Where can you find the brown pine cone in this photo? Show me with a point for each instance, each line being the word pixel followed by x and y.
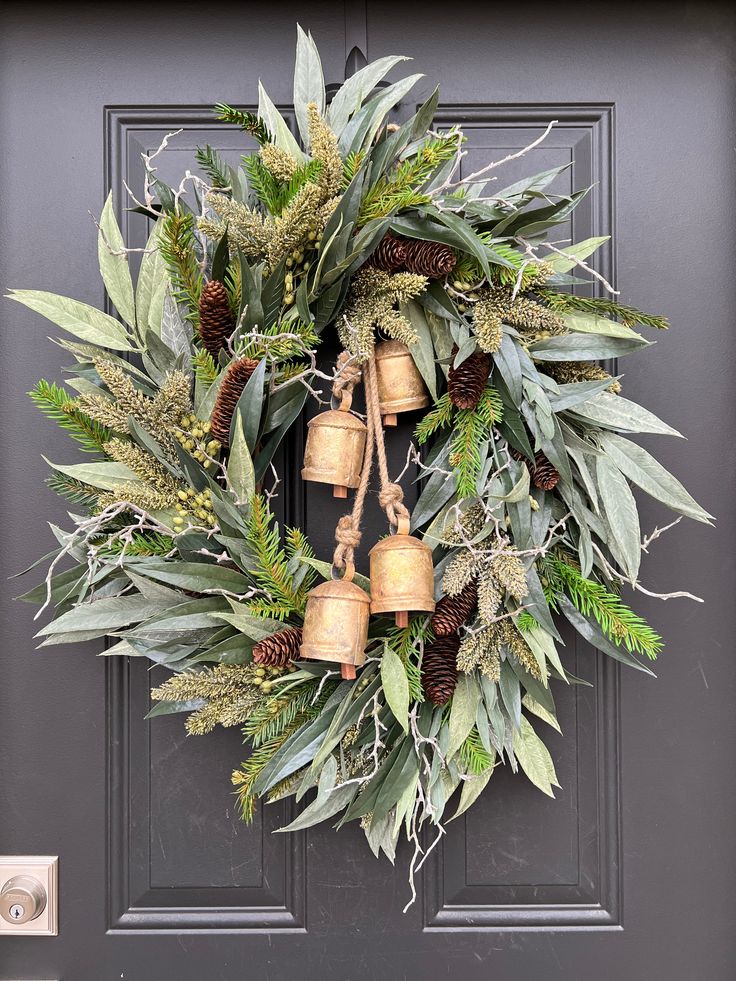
pixel 279 649
pixel 466 383
pixel 543 474
pixel 439 669
pixel 431 259
pixel 452 611
pixel 390 253
pixel 216 319
pixel 237 374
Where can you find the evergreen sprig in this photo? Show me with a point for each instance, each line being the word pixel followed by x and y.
pixel 351 166
pixel 140 544
pixel 73 490
pixel 213 165
pixel 603 306
pixel 276 195
pixel 282 341
pixel 618 621
pixel 401 188
pixel 474 757
pixel 205 368
pixel 438 417
pixel 269 719
pixel 405 642
pixel 178 248
pixel 276 566
pixel 247 121
pixel 57 404
pixel 471 429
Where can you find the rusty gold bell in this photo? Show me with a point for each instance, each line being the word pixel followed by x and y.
pixel 334 450
pixel 401 388
pixel 402 575
pixel 336 624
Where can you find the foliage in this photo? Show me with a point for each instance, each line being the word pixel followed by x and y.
pixel 275 570
pixel 56 403
pixel 178 249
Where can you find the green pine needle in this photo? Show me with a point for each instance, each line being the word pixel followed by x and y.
pixel 277 569
pixel 351 166
pixel 213 165
pixel 405 642
pixel 141 544
pixel 604 307
pixel 439 417
pixel 57 404
pixel 178 248
pixel 247 121
pixel 73 490
pixel 205 369
pixel 471 429
pixel 276 195
pixel 474 757
pixel 618 621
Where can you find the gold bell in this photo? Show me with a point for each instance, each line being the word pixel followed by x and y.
pixel 334 450
pixel 402 575
pixel 401 388
pixel 336 624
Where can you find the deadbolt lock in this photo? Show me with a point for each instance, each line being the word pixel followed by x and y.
pixel 22 898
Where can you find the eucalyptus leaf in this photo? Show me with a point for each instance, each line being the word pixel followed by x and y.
pixel 534 758
pixel 276 125
pixel 621 513
pixel 77 318
pixel 309 82
pixel 395 686
pixel 240 473
pixel 114 266
pixel 615 412
pixel 463 709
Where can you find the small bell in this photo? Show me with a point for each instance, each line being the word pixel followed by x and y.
pixel 334 450
pixel 336 624
pixel 401 388
pixel 402 575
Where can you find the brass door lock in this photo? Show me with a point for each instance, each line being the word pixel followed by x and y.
pixel 22 898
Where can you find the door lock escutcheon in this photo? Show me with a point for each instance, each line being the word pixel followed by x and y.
pixel 29 895
pixel 22 898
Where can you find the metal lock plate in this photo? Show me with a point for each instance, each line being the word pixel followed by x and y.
pixel 28 895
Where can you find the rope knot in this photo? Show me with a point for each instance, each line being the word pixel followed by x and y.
pixel 346 533
pixel 347 376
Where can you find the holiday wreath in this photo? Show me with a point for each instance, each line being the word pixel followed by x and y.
pixel 385 693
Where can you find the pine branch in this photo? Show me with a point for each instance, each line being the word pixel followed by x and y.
pixel 213 165
pixel 490 407
pixel 603 306
pixel 247 121
pixel 620 623
pixel 178 250
pixel 404 641
pixel 273 571
pixel 205 369
pixel 351 166
pixel 73 490
pixel 466 459
pixel 273 715
pixel 474 757
pixel 439 417
pixel 56 403
pixel 141 544
pixel 281 342
pixel 276 195
pixel 401 188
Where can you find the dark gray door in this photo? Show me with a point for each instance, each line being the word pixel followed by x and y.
pixel 629 874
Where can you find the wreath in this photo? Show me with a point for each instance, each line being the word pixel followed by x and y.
pixel 380 695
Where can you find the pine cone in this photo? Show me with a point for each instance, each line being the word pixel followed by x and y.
pixel 390 254
pixel 466 383
pixel 216 319
pixel 431 259
pixel 279 649
pixel 236 375
pixel 439 669
pixel 452 611
pixel 543 474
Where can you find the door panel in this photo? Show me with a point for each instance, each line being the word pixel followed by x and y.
pixel 627 874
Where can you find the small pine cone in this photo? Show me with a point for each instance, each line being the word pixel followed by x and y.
pixel 439 669
pixel 431 259
pixel 543 474
pixel 466 383
pixel 390 255
pixel 279 649
pixel 216 319
pixel 452 611
pixel 236 376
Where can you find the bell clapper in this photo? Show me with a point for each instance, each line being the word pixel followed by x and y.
pixel 339 490
pixel 390 420
pixel 347 671
pixel 402 618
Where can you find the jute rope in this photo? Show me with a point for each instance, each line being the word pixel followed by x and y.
pixel 390 497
